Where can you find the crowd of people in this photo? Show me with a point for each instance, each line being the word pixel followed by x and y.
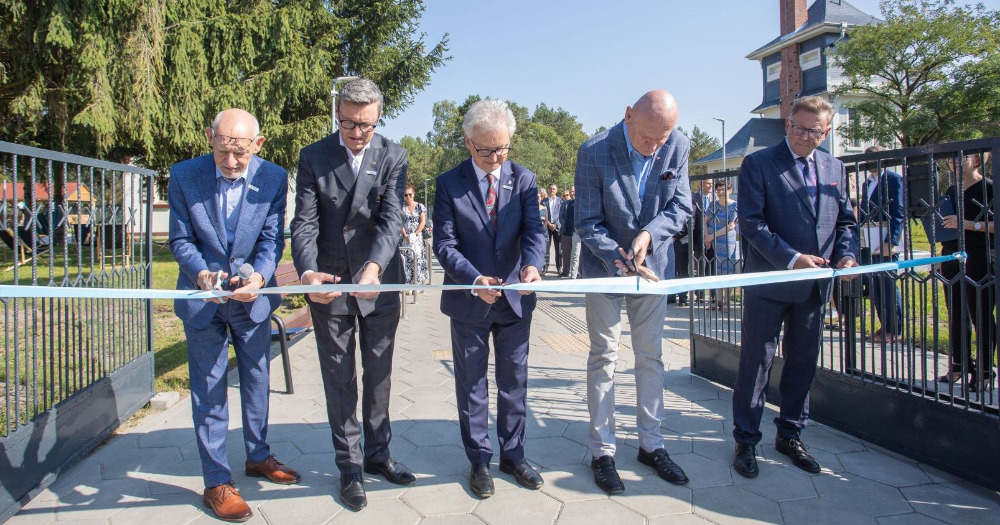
pixel 627 211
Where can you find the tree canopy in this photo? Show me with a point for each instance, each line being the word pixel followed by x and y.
pixel 138 80
pixel 930 73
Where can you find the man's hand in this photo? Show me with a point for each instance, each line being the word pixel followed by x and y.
pixel 628 267
pixel 950 222
pixel 640 246
pixel 552 226
pixel 369 276
pixel 488 295
pixel 529 274
pixel 847 262
pixel 313 278
pixel 244 290
pixel 207 280
pixel 809 261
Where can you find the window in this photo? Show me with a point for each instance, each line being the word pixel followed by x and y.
pixel 809 59
pixel 851 118
pixel 773 71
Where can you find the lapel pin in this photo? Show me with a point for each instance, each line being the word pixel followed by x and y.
pixel 370 172
pixel 253 188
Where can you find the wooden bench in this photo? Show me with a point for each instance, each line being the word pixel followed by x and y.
pixel 298 323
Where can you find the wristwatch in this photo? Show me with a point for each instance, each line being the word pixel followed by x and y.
pixel 977 225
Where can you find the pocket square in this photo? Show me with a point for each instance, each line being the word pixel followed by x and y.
pixel 668 175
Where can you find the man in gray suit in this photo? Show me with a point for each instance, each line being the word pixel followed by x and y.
pixel 346 229
pixel 632 197
pixel 794 214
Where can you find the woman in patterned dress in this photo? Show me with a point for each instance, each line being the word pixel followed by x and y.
pixel 413 229
pixel 721 234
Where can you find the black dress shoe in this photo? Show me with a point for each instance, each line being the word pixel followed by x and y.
pixel 663 465
pixel 745 462
pixel 794 449
pixel 352 492
pixel 606 475
pixel 481 482
pixel 523 472
pixel 393 471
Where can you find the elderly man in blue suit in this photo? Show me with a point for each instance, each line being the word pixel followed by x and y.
pixel 487 231
pixel 227 209
pixel 881 210
pixel 794 214
pixel 632 197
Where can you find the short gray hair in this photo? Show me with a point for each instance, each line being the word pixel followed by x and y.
pixel 218 117
pixel 489 115
pixel 813 104
pixel 362 92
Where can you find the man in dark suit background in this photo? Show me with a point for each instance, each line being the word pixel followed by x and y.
pixel 881 211
pixel 487 231
pixel 227 209
pixel 348 216
pixel 703 263
pixel 553 209
pixel 632 197
pixel 794 214
pixel 566 233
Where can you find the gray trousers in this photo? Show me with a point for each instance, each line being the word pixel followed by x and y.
pixel 646 314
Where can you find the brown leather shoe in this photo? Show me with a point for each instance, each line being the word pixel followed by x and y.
pixel 273 470
pixel 227 504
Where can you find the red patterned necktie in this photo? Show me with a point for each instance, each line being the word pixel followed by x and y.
pixel 491 198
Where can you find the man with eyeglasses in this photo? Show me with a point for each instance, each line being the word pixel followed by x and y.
pixel 348 215
pixel 487 231
pixel 794 214
pixel 227 209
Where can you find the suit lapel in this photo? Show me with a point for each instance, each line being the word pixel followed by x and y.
pixel 504 191
pixel 341 163
pixel 789 169
pixel 623 168
pixel 366 177
pixel 653 181
pixel 475 194
pixel 255 178
pixel 209 190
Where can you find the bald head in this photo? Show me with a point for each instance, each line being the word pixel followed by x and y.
pixel 235 138
pixel 650 121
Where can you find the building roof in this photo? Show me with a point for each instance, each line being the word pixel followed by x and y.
pixel 10 191
pixel 822 14
pixel 756 134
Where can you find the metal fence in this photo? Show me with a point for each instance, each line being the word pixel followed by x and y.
pixel 69 221
pixel 948 324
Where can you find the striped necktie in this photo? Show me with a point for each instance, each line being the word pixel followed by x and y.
pixel 809 178
pixel 491 198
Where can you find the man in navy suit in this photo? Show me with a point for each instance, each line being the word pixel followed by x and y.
pixel 794 214
pixel 487 231
pixel 553 210
pixel 227 208
pixel 632 197
pixel 348 215
pixel 881 210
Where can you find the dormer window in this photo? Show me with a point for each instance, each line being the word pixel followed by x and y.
pixel 809 59
pixel 774 72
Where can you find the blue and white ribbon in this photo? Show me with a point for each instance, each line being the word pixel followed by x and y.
pixel 607 285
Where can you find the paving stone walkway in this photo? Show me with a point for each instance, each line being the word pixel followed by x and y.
pixel 150 473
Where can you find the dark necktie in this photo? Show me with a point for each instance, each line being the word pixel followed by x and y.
pixel 809 178
pixel 491 198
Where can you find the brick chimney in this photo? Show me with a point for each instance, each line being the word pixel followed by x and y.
pixel 793 14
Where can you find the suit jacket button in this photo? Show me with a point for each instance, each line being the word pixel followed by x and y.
pixel 334 198
pixel 232 259
pixel 341 261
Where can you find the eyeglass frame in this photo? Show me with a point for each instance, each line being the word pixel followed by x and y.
pixel 813 133
pixel 490 151
pixel 232 141
pixel 342 122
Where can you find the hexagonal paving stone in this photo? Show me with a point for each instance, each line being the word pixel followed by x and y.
pixel 693 425
pixel 445 460
pixel 703 472
pixel 518 506
pixel 777 482
pixel 953 503
pixel 697 390
pixel 572 483
pixel 907 519
pixel 816 511
pixel 679 519
pixel 440 496
pixel 598 511
pixel 882 468
pixel 129 462
pixel 430 411
pixel 869 497
pixel 552 452
pixel 431 433
pixel 389 510
pixel 316 469
pixel 540 427
pixel 102 499
pixel 454 519
pixel 825 438
pixel 735 505
pixel 313 440
pixel 166 510
pixel 647 494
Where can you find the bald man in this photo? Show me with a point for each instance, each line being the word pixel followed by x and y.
pixel 227 208
pixel 632 197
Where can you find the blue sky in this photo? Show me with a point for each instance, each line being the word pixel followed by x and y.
pixel 594 58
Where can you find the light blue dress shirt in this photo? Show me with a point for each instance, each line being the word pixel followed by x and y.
pixel 230 200
pixel 641 164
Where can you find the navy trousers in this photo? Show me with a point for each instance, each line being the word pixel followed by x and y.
pixel 470 348
pixel 208 357
pixel 762 322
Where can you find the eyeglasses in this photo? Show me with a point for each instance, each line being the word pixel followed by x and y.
pixel 227 144
pixel 350 124
pixel 798 131
pixel 407 194
pixel 486 152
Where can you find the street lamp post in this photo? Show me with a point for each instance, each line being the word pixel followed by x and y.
pixel 723 121
pixel 333 101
